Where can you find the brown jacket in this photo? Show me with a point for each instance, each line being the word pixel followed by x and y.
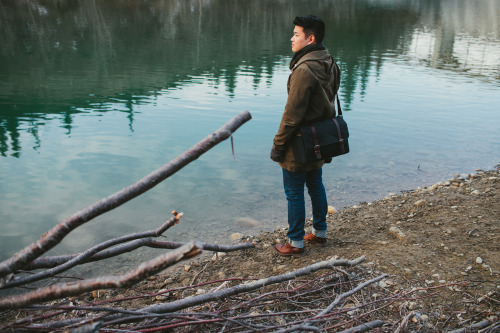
pixel 311 87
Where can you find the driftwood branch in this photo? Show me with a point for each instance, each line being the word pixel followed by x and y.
pixel 84 257
pixel 49 262
pixel 144 270
pixel 58 232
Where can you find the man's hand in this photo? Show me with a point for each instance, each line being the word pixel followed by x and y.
pixel 277 155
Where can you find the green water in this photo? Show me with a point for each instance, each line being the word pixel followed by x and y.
pixel 94 95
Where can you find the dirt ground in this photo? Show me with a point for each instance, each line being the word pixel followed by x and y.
pixel 446 233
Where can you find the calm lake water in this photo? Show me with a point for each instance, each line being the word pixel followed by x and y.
pixel 94 95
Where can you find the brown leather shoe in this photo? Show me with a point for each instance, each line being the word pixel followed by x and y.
pixel 312 239
pixel 289 250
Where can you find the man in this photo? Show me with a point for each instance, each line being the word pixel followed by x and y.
pixel 311 87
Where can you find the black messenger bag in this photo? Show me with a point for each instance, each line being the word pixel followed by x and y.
pixel 322 139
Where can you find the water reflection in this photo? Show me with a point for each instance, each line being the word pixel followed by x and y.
pixel 67 57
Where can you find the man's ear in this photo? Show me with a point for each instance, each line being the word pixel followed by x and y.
pixel 312 39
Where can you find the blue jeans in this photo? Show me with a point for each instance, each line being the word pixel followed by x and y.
pixel 293 183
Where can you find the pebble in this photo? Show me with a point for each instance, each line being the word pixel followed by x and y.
pixel 236 236
pixel 382 284
pixel 332 210
pixel 247 222
pixel 162 297
pixel 187 268
pixel 218 255
pixel 475 192
pixel 398 233
pixel 420 203
pixel 479 260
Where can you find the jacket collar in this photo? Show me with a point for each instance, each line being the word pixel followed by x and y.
pixel 304 51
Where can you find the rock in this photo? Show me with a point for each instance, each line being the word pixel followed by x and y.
pixel 382 284
pixel 236 236
pixel 397 233
pixel 479 260
pixel 200 291
pixel 162 297
pixel 168 281
pixel 420 203
pixel 187 268
pixel 218 255
pixel 475 192
pixel 424 318
pixel 247 222
pixel 332 210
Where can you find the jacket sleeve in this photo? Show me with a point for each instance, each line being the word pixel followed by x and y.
pixel 300 85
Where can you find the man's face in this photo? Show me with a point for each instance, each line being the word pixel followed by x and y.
pixel 299 39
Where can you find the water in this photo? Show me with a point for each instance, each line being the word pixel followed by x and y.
pixel 94 96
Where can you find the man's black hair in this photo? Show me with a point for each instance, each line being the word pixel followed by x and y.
pixel 312 25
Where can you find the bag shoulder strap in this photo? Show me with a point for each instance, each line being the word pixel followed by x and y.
pixel 338 106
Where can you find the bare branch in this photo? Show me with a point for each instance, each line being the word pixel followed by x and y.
pixel 476 326
pixel 364 327
pixel 83 257
pixel 58 232
pixel 144 270
pixel 48 262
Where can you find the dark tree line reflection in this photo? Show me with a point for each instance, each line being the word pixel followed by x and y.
pixel 58 58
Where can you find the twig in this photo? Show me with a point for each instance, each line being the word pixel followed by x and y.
pixel 83 257
pixel 58 232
